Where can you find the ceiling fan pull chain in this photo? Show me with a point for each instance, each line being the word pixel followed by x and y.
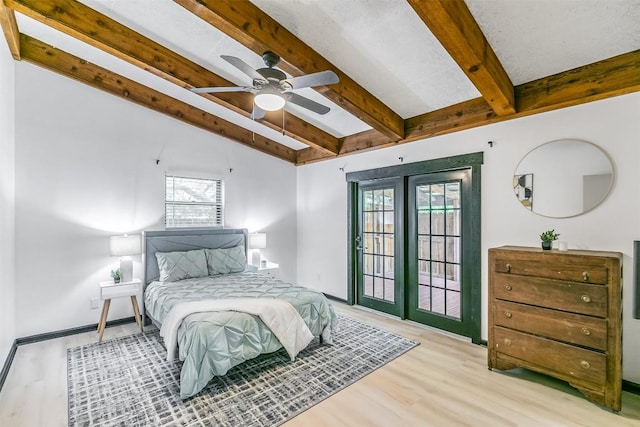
pixel 253 134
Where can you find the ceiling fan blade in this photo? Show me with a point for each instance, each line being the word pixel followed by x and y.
pixel 243 66
pixel 258 113
pixel 322 78
pixel 221 89
pixel 307 103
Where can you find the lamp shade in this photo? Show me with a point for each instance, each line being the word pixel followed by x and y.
pixel 125 245
pixel 257 240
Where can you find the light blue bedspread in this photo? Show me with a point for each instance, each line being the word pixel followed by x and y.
pixel 212 343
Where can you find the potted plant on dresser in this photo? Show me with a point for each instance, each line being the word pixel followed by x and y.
pixel 547 238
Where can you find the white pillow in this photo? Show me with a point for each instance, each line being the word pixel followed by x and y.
pixel 225 261
pixel 175 266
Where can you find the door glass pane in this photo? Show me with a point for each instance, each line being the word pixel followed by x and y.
pixel 388 222
pixel 437 300
pixel 437 197
pixel 388 267
pixel 367 224
pixel 367 200
pixel 424 298
pixel 368 243
pixel 423 222
pixel 388 199
pixel 378 287
pixel 437 274
pixel 377 265
pixel 375 247
pixel 368 285
pixel 378 200
pixel 378 221
pixel 437 222
pixel 452 193
pixel 453 277
pixel 389 243
pixel 437 248
pixel 389 290
pixel 367 266
pixel 453 222
pixel 453 304
pixel 424 251
pixel 424 277
pixel 453 249
pixel 423 197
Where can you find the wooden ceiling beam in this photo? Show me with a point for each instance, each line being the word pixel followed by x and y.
pixel 246 23
pixel 10 30
pixel 611 77
pixel 454 118
pixel 453 25
pixel 46 56
pixel 309 155
pixel 367 140
pixel 104 33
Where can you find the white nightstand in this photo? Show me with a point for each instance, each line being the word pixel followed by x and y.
pixel 270 268
pixel 109 290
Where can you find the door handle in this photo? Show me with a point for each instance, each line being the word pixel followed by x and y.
pixel 358 241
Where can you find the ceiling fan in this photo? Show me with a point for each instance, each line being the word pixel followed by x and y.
pixel 272 87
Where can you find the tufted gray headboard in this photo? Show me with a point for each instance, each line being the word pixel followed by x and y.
pixel 184 240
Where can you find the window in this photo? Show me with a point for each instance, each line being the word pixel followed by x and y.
pixel 193 202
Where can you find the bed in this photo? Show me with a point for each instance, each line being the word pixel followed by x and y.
pixel 209 343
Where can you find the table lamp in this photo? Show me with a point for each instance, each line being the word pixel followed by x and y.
pixel 257 241
pixel 124 247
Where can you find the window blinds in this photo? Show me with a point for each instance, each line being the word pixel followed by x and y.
pixel 193 202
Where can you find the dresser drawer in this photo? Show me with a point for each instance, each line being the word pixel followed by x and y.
pixel 571 328
pixel 567 296
pixel 561 269
pixel 568 361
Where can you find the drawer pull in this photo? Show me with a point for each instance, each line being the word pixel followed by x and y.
pixel 585 276
pixel 586 331
pixel 586 298
pixel 508 268
pixel 585 365
pixel 507 341
pixel 508 314
pixel 508 287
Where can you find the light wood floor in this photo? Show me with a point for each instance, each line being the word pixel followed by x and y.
pixel 442 382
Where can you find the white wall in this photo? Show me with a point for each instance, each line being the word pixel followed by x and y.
pixel 86 169
pixel 7 202
pixel 612 124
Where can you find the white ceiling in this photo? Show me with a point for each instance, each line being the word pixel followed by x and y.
pixel 381 44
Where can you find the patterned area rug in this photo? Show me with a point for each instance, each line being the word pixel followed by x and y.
pixel 128 382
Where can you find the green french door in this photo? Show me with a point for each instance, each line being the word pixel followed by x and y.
pixel 378 245
pixel 415 242
pixel 439 288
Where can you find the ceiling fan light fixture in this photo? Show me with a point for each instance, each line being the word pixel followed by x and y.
pixel 269 101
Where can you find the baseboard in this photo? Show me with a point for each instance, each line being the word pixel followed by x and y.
pixel 7 363
pixel 49 336
pixel 631 387
pixel 66 332
pixel 329 296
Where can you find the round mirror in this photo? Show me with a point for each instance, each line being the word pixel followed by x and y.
pixel 563 178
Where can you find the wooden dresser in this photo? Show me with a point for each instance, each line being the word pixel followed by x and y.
pixel 558 313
